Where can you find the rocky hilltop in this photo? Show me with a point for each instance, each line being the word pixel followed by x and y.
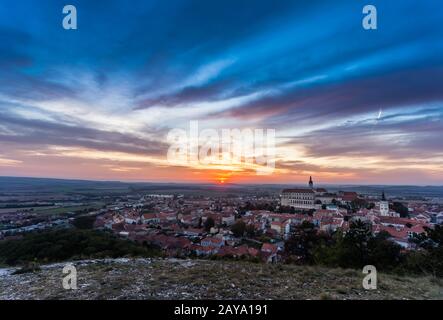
pixel 205 279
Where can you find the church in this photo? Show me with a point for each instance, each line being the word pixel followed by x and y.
pixel 383 208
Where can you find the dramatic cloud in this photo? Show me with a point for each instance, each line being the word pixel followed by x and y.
pixel 348 105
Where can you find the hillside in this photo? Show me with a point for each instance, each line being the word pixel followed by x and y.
pixel 201 279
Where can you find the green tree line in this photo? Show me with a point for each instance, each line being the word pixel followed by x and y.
pixel 60 245
pixel 359 247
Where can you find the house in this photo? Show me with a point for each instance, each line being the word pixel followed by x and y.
pixel 241 251
pixel 228 219
pixel 269 247
pixel 237 252
pixel 132 218
pixel 415 230
pixel 193 232
pixel 423 218
pixel 320 214
pixel 116 219
pixel 330 224
pixel 167 217
pixel 189 220
pixel 347 197
pixel 326 198
pixel 396 221
pixel 150 218
pixel 173 246
pixel 277 226
pixel 204 251
pixel 226 251
pixel 399 235
pixel 212 242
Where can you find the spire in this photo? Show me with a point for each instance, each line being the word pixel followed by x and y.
pixel 311 183
pixel 383 198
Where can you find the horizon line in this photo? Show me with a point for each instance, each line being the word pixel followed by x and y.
pixel 219 184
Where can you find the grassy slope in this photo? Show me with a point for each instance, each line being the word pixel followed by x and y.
pixel 197 279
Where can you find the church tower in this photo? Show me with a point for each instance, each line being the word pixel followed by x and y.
pixel 384 205
pixel 311 184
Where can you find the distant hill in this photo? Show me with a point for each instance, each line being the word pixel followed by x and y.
pixel 43 184
pixel 46 185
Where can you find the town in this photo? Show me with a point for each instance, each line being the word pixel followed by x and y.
pixel 250 227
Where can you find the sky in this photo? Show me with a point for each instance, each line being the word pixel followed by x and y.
pixel 348 105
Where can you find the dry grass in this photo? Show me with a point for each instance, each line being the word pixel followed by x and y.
pixel 197 279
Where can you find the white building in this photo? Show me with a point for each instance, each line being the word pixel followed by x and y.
pixel 384 206
pixel 298 198
pixel 301 198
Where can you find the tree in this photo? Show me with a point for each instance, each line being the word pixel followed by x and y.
pixel 383 253
pixel 60 245
pixel 304 240
pixel 209 223
pixel 435 234
pixel 370 205
pixel 430 258
pixel 238 228
pixel 431 238
pixel 85 222
pixel 355 245
pixel 359 247
pixel 250 230
pixel 400 208
pixel 357 204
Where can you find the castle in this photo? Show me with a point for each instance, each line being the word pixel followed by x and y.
pixel 301 198
pixel 313 198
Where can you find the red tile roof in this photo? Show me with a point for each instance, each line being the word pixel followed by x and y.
pixel 149 216
pixel 269 247
pixel 349 196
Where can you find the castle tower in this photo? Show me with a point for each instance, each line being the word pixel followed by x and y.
pixel 311 183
